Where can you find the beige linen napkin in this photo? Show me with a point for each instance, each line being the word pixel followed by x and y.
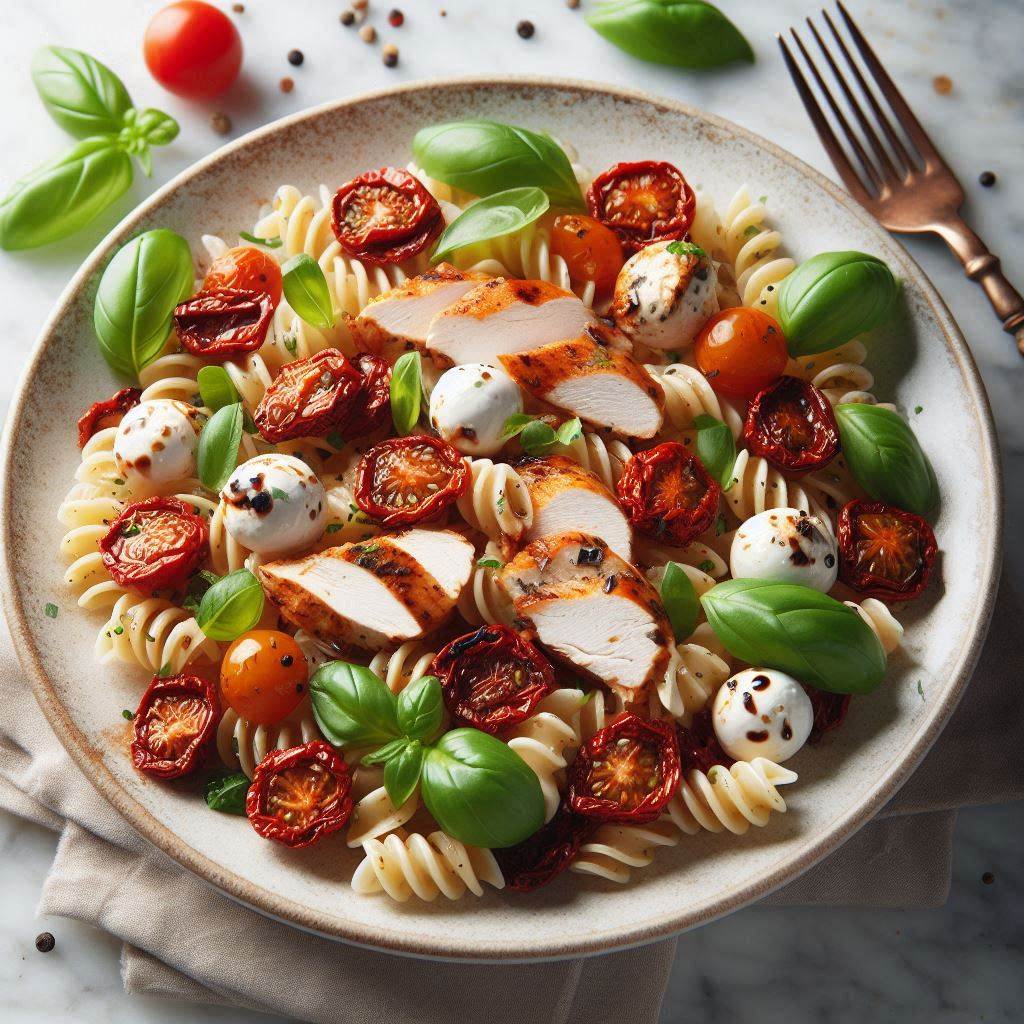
pixel 198 945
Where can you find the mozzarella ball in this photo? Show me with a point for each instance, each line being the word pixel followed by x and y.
pixel 155 445
pixel 469 406
pixel 663 299
pixel 274 505
pixel 762 712
pixel 786 545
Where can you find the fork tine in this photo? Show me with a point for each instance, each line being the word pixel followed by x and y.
pixel 904 115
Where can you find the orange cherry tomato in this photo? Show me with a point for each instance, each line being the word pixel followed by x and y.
pixel 741 351
pixel 263 676
pixel 591 251
pixel 245 269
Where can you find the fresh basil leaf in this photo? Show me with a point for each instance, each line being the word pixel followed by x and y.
pixel 716 448
pixel 385 753
pixel 217 453
pixel 305 288
pixel 231 607
pixel 813 637
pixel 832 298
pixel 685 249
pixel 270 243
pixel 421 708
pixel 215 387
pixel 65 194
pixel 226 793
pixel 680 601
pixel 406 392
pixel 82 95
pixel 483 157
pixel 886 458
pixel 537 438
pixel 569 431
pixel 489 563
pixel 402 772
pixel 151 127
pixel 683 33
pixel 480 791
pixel 515 424
pixel 138 291
pixel 496 215
pixel 352 706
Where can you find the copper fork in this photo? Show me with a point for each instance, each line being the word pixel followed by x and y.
pixel 904 181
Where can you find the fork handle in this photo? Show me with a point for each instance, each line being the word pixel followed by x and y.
pixel 982 266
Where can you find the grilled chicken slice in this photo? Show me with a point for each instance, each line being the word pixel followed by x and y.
pixel 592 376
pixel 503 316
pixel 375 593
pixel 398 320
pixel 567 497
pixel 591 609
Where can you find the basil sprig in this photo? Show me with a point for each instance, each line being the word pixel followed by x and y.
pixel 833 297
pixel 138 291
pixel 215 387
pixel 813 637
pixel 886 458
pixel 679 599
pixel 217 452
pixel 716 448
pixel 539 438
pixel 226 793
pixel 305 288
pixel 406 392
pixel 494 216
pixel 231 607
pixel 483 157
pixel 683 33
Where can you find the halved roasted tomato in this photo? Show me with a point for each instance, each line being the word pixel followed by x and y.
pixel 884 552
pixel 547 853
pixel 174 724
pixel 740 351
pixel 372 410
pixel 829 711
pixel 107 413
pixel 300 795
pixel 406 480
pixel 592 252
pixel 698 745
pixel 627 772
pixel 643 202
pixel 492 678
pixel 263 676
pixel 247 269
pixel 668 494
pixel 309 398
pixel 154 543
pixel 223 324
pixel 791 424
pixel 385 216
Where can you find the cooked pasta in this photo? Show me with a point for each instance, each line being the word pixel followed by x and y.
pixel 688 395
pixel 883 623
pixel 694 674
pixel 482 600
pixel 753 247
pixel 651 554
pixel 497 502
pixel 839 373
pixel 242 744
pixel 375 815
pixel 757 486
pixel 88 515
pixel 615 849
pixel 605 458
pixel 402 666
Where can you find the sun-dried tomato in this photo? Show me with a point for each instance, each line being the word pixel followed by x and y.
pixel 668 494
pixel 107 413
pixel 223 324
pixel 372 410
pixel 154 543
pixel 385 216
pixel 174 724
pixel 884 552
pixel 698 745
pixel 627 772
pixel 300 795
pixel 829 711
pixel 791 424
pixel 309 398
pixel 406 480
pixel 643 202
pixel 492 678
pixel 547 853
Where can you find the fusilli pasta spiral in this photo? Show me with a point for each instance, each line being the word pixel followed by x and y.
pixel 87 513
pixel 753 249
pixel 242 744
pixel 883 623
pixel 482 600
pixel 605 459
pixel 614 849
pixel 497 503
pixel 403 666
pixel 693 676
pixel 839 373
pixel 688 395
pixel 757 486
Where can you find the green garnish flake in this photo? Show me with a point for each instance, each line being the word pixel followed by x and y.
pixel 752 229
pixel 489 563
pixel 685 249
pixel 165 670
pixel 918 409
pixel 278 495
pixel 131 531
pixel 119 481
pixel 720 525
pixel 920 689
pixel 500 504
pixel 291 343
pixel 762 200
pixel 129 715
pixel 706 566
pixel 270 243
pixel 51 610
pixel 333 527
pixel 119 630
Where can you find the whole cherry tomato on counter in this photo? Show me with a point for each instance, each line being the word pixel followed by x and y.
pixel 263 676
pixel 741 351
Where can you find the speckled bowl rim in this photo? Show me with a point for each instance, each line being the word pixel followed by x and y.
pixel 674 920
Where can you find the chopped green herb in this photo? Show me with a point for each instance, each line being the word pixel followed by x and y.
pixel 278 495
pixel 706 566
pixel 165 670
pixel 762 200
pixel 51 610
pixel 918 409
pixel 489 563
pixel 478 384
pixel 752 229
pixel 500 504
pixel 920 689
pixel 720 524
pixel 130 715
pixel 291 343
pixel 119 630
pixel 333 527
pixel 270 243
pixel 131 531
pixel 685 249
pixel 119 481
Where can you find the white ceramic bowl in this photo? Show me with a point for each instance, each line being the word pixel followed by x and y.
pixel 922 360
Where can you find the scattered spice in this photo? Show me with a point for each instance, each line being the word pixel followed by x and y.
pixel 572 4
pixel 360 5
pixel 347 17
pixel 988 878
pixel 942 84
pixel 45 942
pixel 396 18
pixel 220 123
pixel 368 34
pixel 525 29
pixel 443 13
pixel 287 84
pixel 987 179
pixel 296 57
pixel 238 8
pixel 390 55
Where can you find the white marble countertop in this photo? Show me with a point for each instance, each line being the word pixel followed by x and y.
pixel 959 963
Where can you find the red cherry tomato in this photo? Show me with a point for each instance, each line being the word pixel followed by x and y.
pixel 644 202
pixel 406 480
pixel 627 772
pixel 591 251
pixel 741 351
pixel 492 678
pixel 385 216
pixel 107 413
pixel 300 795
pixel 884 552
pixel 245 269
pixel 223 324
pixel 373 409
pixel 668 494
pixel 176 719
pixel 699 748
pixel 309 398
pixel 829 711
pixel 193 50
pixel 153 544
pixel 263 676
pixel 791 424
pixel 546 854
